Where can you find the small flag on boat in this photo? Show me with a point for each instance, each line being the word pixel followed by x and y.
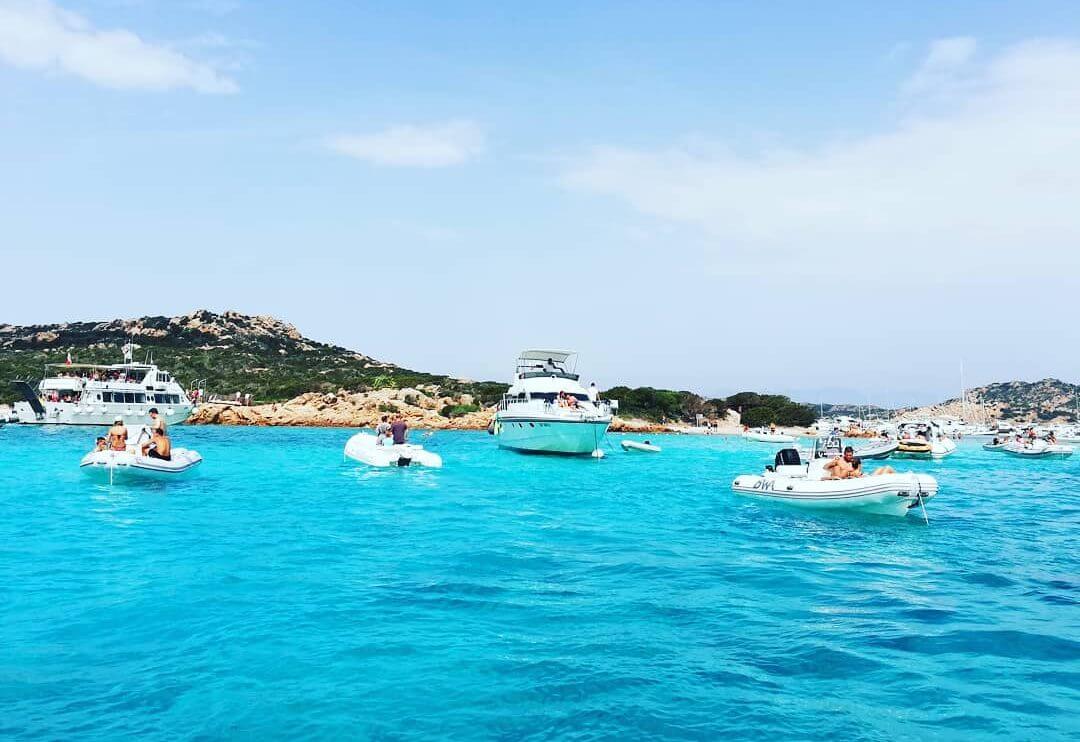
pixel 68 361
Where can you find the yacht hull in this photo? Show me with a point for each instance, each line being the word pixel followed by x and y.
pixel 537 435
pixel 66 413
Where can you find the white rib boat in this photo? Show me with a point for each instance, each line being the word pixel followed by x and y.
pixel 801 484
pixel 366 449
pixel 1037 449
pixel 130 464
pixel 763 435
pixel 645 447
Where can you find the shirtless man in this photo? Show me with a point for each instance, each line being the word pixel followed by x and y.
pixel 157 422
pixel 841 467
pixel 101 444
pixel 158 447
pixel 118 435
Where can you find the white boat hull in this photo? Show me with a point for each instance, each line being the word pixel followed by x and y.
pixel 885 494
pixel 99 414
pixel 125 465
pixel 1049 451
pixel 768 437
pixel 938 450
pixel 639 446
pixel 540 435
pixel 879 450
pixel 364 447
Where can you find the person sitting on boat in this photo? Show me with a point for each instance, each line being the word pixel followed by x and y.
pixel 571 401
pixel 857 471
pixel 382 431
pixel 101 444
pixel 1051 438
pixel 841 467
pixel 158 447
pixel 399 430
pixel 118 435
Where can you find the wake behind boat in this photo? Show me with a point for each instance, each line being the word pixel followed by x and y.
pixel 804 484
pixel 547 410
pixel 367 449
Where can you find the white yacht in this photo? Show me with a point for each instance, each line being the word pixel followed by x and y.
pixel 89 394
pixel 547 410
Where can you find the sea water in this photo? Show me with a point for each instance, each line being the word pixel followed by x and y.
pixel 282 592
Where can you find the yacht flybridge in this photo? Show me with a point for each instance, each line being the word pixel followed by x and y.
pixel 90 394
pixel 547 410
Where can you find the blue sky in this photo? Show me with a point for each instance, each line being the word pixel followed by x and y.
pixel 840 201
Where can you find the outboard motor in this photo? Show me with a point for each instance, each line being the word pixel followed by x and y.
pixel 787 457
pixel 403 461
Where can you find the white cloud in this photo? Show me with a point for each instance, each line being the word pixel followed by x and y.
pixel 37 34
pixel 984 185
pixel 438 145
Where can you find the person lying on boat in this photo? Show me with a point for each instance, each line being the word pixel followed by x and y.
pixel 857 471
pixel 158 447
pixel 382 431
pixel 101 444
pixel 841 467
pixel 118 435
pixel 399 430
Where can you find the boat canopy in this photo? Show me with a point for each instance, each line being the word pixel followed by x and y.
pixel 560 363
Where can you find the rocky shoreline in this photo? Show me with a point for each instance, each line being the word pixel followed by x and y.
pixel 420 408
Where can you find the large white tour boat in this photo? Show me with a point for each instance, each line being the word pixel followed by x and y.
pixel 547 410
pixel 89 394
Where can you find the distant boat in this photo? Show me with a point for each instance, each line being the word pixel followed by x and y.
pixel 923 439
pixel 763 435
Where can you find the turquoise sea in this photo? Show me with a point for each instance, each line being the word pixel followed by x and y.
pixel 282 593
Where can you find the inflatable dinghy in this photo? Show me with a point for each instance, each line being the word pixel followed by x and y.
pixel 764 436
pixel 1038 450
pixel 131 465
pixel 793 482
pixel 364 448
pixel 639 446
pixel 993 446
pixel 881 449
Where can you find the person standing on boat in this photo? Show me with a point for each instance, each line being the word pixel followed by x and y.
pixel 594 393
pixel 382 431
pixel 399 430
pixel 118 435
pixel 157 422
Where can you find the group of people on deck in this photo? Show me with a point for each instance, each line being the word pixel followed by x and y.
pixel 158 447
pixel 849 466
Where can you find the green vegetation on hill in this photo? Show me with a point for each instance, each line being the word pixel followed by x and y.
pixel 223 353
pixel 664 404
